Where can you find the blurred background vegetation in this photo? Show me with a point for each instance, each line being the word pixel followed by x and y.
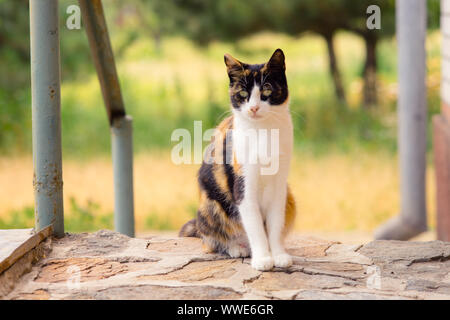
pixel 169 56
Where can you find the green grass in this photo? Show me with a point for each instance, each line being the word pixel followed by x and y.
pixel 155 221
pixel 79 218
pixel 170 88
pixel 86 218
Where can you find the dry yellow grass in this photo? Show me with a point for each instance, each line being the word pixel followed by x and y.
pixel 340 192
pixel 335 192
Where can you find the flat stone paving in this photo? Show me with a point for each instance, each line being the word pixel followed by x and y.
pixel 107 265
pixel 10 240
pixel 14 243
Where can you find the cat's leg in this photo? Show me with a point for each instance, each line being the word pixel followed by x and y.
pixel 254 227
pixel 239 247
pixel 253 222
pixel 275 224
pixel 209 245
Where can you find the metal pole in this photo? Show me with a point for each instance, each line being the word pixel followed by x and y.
pixel 102 54
pixel 122 156
pixel 121 125
pixel 46 115
pixel 412 115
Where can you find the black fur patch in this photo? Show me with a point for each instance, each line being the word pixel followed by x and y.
pixel 238 190
pixel 215 229
pixel 235 182
pixel 208 183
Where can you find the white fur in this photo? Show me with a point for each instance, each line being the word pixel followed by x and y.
pixel 263 206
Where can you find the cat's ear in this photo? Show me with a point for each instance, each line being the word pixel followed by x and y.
pixel 232 63
pixel 235 68
pixel 277 60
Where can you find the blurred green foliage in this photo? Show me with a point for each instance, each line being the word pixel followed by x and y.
pixel 156 221
pixel 169 56
pixel 147 34
pixel 78 218
pixel 82 218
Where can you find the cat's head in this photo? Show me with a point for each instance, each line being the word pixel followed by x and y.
pixel 257 91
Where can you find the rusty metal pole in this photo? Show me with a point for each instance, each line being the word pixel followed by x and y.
pixel 103 57
pixel 46 115
pixel 412 116
pixel 121 124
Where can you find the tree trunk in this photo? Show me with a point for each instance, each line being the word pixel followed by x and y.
pixel 370 72
pixel 334 70
pixel 157 40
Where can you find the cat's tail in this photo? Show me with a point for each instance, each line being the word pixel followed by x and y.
pixel 189 229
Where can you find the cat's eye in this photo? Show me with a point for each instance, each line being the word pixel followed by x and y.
pixel 266 90
pixel 243 93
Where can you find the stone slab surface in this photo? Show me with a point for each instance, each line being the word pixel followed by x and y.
pixel 19 250
pixel 107 265
pixel 10 240
pixel 15 243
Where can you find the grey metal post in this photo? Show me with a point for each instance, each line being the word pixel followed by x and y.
pixel 46 115
pixel 412 116
pixel 122 157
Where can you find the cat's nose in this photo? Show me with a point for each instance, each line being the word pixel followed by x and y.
pixel 254 109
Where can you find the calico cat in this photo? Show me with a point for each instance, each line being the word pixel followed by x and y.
pixel 244 210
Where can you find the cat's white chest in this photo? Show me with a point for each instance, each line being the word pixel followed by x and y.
pixel 264 151
pixel 266 145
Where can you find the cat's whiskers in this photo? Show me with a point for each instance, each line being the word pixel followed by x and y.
pixel 225 113
pixel 275 115
pixel 296 113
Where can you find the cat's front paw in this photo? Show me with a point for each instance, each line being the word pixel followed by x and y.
pixel 238 251
pixel 262 263
pixel 282 260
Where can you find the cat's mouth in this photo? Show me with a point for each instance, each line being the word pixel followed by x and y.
pixel 255 116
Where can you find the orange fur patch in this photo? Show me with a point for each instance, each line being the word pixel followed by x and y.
pixel 290 212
